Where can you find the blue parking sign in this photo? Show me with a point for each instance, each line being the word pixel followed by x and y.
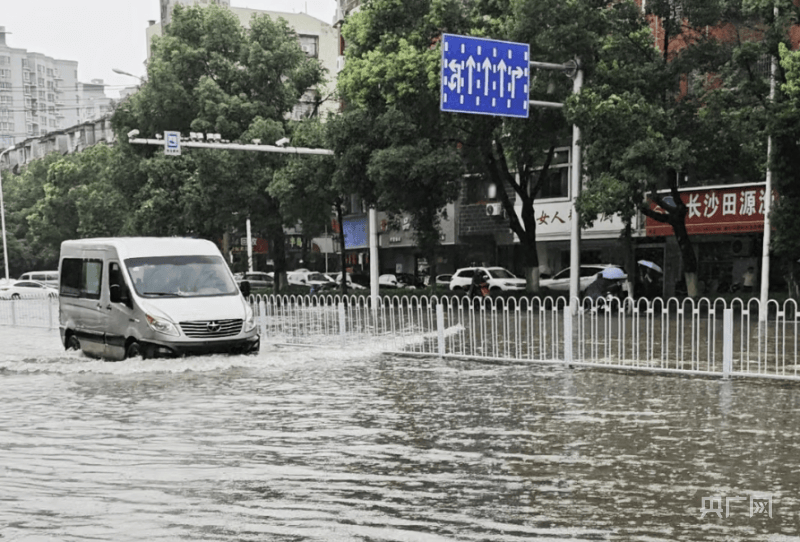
pixel 483 76
pixel 172 143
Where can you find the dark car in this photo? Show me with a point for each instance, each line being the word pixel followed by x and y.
pixel 257 279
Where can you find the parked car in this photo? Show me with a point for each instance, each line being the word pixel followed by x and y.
pixel 27 289
pixel 356 282
pixel 560 281
pixel 310 278
pixel 257 279
pixel 50 278
pixel 400 280
pixel 444 280
pixel 500 279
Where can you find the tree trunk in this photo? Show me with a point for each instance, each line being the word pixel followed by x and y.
pixel 530 261
pixel 278 250
pixel 630 265
pixel 343 254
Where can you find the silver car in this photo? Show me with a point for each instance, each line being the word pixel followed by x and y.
pixel 560 281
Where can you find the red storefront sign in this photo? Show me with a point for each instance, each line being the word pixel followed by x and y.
pixel 716 210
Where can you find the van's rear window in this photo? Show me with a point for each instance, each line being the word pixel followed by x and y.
pixel 180 276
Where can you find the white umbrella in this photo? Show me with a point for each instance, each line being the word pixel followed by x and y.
pixel 613 273
pixel 651 265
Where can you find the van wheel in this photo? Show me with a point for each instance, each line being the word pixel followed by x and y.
pixel 73 343
pixel 14 296
pixel 134 350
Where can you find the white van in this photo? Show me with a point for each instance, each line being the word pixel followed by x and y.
pixel 49 278
pixel 150 296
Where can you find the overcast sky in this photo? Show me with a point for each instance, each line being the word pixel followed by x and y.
pixel 105 34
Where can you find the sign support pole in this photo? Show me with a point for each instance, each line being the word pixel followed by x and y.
pixel 764 300
pixel 575 189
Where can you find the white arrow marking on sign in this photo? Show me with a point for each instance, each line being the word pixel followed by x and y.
pixel 471 64
pixel 516 74
pixel 455 80
pixel 487 67
pixel 501 67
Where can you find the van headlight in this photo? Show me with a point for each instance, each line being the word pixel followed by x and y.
pixel 162 325
pixel 250 319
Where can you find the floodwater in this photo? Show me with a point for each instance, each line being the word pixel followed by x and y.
pixel 329 445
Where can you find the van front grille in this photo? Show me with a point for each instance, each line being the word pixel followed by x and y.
pixel 210 329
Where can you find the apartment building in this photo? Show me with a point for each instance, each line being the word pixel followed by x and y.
pixel 317 38
pixel 38 93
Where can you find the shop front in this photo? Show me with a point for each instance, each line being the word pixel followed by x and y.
pixel 725 225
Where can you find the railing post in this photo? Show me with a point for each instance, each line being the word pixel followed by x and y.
pixel 727 342
pixel 49 302
pixel 568 334
pixel 13 312
pixel 342 324
pixel 262 316
pixel 440 328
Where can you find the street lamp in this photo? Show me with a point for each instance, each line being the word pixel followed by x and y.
pixel 122 72
pixel 3 209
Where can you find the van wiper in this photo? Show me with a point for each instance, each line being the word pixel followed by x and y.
pixel 162 293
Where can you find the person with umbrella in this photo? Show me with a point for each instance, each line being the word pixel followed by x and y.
pixel 606 283
pixel 649 278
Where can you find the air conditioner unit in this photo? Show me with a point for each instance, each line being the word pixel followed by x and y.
pixel 339 63
pixel 741 247
pixel 494 209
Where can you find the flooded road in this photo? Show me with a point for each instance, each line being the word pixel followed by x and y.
pixel 315 444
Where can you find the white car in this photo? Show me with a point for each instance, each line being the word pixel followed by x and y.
pixel 27 289
pixel 309 278
pixel 500 279
pixel 560 281
pixel 337 278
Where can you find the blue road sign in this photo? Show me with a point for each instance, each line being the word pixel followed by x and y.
pixel 172 143
pixel 488 77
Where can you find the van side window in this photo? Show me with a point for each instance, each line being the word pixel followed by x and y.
pixel 92 275
pixel 71 273
pixel 81 278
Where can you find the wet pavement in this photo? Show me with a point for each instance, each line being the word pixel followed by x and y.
pixel 314 444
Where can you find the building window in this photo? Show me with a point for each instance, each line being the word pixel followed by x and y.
pixel 556 185
pixel 310 45
pixel 5 60
pixel 5 74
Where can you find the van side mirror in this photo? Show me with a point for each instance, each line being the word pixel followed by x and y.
pixel 115 293
pixel 119 294
pixel 244 286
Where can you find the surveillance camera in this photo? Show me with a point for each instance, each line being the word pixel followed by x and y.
pixel 282 141
pixel 256 142
pixel 133 133
pixel 159 136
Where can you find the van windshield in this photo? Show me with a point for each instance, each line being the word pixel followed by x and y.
pixel 180 276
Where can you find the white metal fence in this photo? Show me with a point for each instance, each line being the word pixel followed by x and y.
pixel 704 337
pixel 34 311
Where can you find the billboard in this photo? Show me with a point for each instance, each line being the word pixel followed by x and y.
pixel 717 210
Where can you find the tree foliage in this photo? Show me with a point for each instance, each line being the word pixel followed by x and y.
pixel 209 74
pixel 688 105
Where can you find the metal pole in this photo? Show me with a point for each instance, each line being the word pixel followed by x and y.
pixel 762 313
pixel 249 248
pixel 575 189
pixel 3 211
pixel 373 257
pixel 235 146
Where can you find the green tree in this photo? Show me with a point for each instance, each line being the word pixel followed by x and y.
pixel 392 81
pixel 691 111
pixel 208 74
pixel 63 197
